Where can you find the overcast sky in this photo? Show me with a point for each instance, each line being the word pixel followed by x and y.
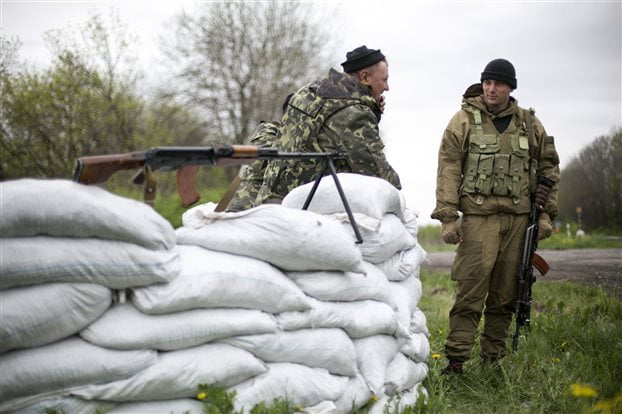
pixel 567 54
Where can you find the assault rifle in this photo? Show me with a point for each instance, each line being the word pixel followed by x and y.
pixel 98 169
pixel 530 259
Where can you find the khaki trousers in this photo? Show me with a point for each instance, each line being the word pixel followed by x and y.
pixel 485 269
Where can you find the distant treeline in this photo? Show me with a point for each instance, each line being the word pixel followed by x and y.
pixel 591 185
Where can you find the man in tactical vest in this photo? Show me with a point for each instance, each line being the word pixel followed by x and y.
pixel 489 158
pixel 339 112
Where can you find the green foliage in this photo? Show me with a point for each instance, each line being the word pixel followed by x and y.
pixel 84 104
pixel 574 342
pixel 592 181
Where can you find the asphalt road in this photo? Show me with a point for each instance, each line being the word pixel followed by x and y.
pixel 600 267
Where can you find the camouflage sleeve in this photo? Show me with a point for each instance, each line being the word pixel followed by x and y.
pixel 548 165
pixel 354 131
pixel 449 171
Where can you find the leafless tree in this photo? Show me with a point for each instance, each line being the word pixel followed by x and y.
pixel 237 61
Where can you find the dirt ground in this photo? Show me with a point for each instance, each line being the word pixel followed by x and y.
pixel 596 267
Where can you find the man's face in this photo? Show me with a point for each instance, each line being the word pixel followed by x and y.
pixel 376 76
pixel 496 94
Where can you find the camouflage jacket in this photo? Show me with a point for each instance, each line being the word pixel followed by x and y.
pixel 335 113
pixel 453 162
pixel 251 177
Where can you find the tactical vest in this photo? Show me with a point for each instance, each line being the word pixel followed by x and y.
pixel 299 130
pixel 499 164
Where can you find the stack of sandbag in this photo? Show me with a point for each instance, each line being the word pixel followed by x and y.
pixel 66 251
pixel 390 364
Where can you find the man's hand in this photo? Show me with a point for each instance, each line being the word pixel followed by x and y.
pixel 381 103
pixel 451 232
pixel 545 228
pixel 541 195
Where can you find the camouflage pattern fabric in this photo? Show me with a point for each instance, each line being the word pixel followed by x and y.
pixel 251 177
pixel 335 113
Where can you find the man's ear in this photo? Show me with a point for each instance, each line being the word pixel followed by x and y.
pixel 364 76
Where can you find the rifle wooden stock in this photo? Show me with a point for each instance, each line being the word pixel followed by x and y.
pixel 98 169
pixel 539 263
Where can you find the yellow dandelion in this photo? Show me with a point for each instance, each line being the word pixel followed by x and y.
pixel 555 360
pixel 201 396
pixel 579 390
pixel 374 397
pixel 436 356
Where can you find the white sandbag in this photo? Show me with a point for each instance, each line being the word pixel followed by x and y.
pixel 288 238
pixel 115 264
pixel 373 354
pixel 355 395
pixel 411 222
pixel 403 374
pixel 296 383
pixel 416 346
pixel 125 327
pixel 358 319
pixel 38 315
pixel 367 195
pixel 46 403
pixel 325 407
pixel 180 406
pixel 330 349
pixel 403 263
pixel 400 402
pixel 406 294
pixel 418 322
pixel 65 364
pixel 345 286
pixel 32 207
pixel 177 374
pixel 210 279
pixel 390 238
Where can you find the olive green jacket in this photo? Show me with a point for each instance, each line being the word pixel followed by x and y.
pixel 453 153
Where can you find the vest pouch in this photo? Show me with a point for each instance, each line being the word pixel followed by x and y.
pixel 500 181
pixel 519 176
pixel 520 145
pixel 470 173
pixel 483 182
pixel 484 143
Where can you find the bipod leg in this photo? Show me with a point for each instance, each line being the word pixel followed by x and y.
pixel 355 227
pixel 313 190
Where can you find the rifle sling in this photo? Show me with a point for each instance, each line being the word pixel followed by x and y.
pixel 226 198
pixel 151 184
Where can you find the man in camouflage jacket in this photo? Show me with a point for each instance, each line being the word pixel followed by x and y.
pixel 489 158
pixel 339 112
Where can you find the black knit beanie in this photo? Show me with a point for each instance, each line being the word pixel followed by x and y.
pixel 360 58
pixel 500 70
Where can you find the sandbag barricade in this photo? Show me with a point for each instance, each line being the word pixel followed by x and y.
pixel 272 302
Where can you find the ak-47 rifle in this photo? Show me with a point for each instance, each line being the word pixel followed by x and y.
pixel 99 168
pixel 530 259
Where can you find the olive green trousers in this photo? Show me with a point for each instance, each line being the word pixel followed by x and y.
pixel 485 269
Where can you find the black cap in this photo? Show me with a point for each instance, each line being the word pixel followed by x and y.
pixel 360 58
pixel 500 70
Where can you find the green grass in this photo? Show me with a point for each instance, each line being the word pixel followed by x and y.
pixel 575 338
pixel 430 238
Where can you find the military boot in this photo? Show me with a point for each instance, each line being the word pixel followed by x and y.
pixel 454 366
